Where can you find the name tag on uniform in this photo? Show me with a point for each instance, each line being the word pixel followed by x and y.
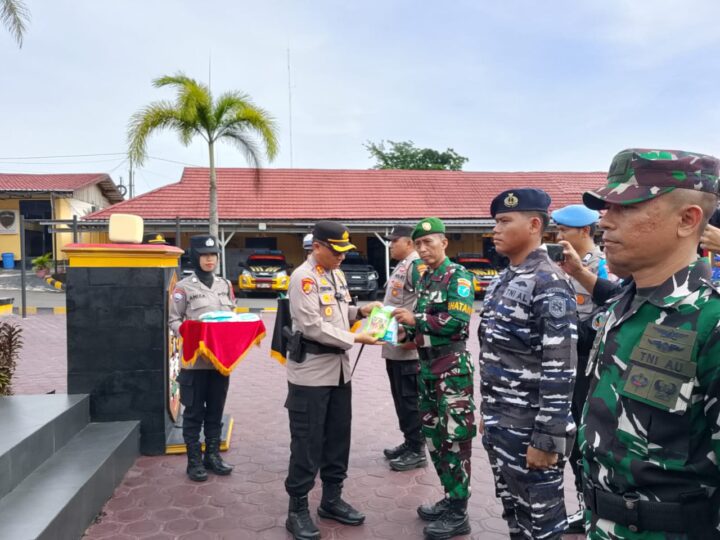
pixel 520 291
pixel 661 368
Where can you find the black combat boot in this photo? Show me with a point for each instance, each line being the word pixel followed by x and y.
pixel 195 469
pixel 332 506
pixel 432 512
pixel 453 522
pixel 411 459
pixel 392 453
pixel 212 460
pixel 299 522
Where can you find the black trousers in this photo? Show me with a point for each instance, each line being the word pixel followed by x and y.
pixel 320 418
pixel 203 393
pixel 580 394
pixel 404 388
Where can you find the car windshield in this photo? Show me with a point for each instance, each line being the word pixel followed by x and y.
pixel 266 260
pixel 475 263
pixel 353 258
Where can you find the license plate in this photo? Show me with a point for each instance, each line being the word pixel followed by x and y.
pixel 263 285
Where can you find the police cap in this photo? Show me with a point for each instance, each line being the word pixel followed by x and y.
pixel 204 245
pixel 334 235
pixel 155 238
pixel 520 200
pixel 400 231
pixel 431 225
pixel 307 241
pixel 575 215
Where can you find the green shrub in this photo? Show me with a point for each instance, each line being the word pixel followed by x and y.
pixel 10 345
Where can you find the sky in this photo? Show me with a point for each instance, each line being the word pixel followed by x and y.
pixel 559 85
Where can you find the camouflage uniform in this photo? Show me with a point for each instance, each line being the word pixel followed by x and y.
pixel 445 381
pixel 650 435
pixel 528 336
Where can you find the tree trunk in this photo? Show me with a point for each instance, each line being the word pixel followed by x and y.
pixel 213 217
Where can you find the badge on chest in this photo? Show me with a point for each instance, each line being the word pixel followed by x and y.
pixel 661 368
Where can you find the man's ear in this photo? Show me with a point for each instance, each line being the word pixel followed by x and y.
pixel 691 218
pixel 535 224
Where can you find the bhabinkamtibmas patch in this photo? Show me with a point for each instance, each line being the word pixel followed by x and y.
pixel 661 368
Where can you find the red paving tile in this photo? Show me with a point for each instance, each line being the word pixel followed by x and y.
pixel 156 500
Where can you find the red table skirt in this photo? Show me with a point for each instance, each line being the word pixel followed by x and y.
pixel 222 343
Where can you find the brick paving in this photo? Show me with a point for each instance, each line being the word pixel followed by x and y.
pixel 156 501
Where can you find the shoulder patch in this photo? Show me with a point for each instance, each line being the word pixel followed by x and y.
pixel 307 285
pixel 557 308
pixel 464 287
pixel 178 295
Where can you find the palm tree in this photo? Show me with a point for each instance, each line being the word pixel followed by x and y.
pixel 232 118
pixel 15 16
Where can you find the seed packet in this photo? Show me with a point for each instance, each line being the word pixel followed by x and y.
pixel 391 334
pixel 382 325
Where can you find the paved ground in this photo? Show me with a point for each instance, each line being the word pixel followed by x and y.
pixel 156 500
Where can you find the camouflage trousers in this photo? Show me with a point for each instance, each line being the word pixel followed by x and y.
pixel 447 412
pixel 533 500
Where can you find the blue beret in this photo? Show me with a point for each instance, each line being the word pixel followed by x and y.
pixel 575 215
pixel 520 200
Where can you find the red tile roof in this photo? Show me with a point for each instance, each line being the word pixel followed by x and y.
pixel 59 183
pixel 311 194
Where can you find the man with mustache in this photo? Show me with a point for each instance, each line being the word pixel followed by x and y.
pixel 650 435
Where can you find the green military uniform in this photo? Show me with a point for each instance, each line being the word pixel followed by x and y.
pixel 650 435
pixel 445 381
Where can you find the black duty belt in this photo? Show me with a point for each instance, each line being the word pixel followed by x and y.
pixel 313 347
pixel 430 353
pixel 638 515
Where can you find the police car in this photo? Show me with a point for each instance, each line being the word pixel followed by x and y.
pixel 482 269
pixel 264 270
pixel 362 278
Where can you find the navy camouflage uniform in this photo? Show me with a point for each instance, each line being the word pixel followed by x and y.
pixel 528 339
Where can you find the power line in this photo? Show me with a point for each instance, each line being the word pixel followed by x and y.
pixel 57 162
pixel 173 161
pixel 65 156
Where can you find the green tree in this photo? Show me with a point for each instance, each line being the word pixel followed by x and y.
pixel 15 16
pixel 232 117
pixel 404 155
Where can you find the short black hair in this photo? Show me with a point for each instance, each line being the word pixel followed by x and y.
pixel 544 220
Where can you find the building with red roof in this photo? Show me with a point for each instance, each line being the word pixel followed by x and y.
pixel 274 208
pixel 39 197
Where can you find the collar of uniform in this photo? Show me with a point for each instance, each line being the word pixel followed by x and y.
pixel 533 259
pixel 681 284
pixel 440 270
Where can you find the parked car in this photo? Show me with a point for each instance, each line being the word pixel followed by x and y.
pixel 361 277
pixel 264 270
pixel 482 269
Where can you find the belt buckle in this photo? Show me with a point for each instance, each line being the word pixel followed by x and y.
pixel 631 502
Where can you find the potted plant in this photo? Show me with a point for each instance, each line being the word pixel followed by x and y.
pixel 42 265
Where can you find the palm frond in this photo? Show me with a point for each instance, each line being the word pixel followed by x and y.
pixel 245 143
pixel 15 16
pixel 228 104
pixel 252 118
pixel 154 117
pixel 194 100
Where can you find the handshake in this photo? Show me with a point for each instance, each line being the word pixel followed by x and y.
pixel 382 324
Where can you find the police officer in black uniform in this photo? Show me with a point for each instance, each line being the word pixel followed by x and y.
pixel 203 389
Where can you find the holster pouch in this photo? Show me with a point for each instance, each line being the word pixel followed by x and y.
pixel 295 345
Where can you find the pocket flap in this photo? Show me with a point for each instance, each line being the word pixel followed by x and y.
pixel 296 403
